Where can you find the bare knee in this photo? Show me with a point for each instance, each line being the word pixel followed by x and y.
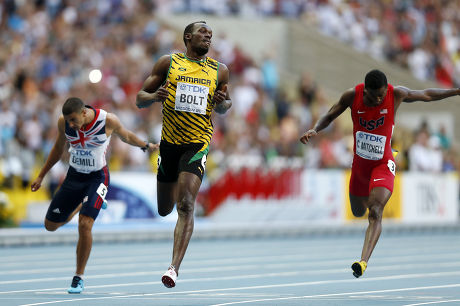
pixel 376 212
pixel 85 224
pixel 51 226
pixel 185 206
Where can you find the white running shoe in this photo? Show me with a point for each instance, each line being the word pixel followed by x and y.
pixel 170 277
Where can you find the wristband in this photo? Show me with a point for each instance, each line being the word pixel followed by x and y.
pixel 146 147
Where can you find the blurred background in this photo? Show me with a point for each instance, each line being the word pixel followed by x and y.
pixel 289 61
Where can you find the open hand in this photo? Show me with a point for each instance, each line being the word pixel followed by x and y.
pixel 36 184
pixel 153 147
pixel 308 134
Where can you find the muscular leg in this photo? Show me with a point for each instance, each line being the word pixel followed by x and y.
pixel 85 242
pixel 166 197
pixel 378 198
pixel 52 226
pixel 188 186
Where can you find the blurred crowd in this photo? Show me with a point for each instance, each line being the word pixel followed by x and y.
pixel 422 35
pixel 49 48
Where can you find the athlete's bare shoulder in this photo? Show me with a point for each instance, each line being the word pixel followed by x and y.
pixel 111 121
pixel 61 129
pixel 223 74
pixel 400 94
pixel 162 64
pixel 61 123
pixel 347 97
pixel 222 66
pixel 400 90
pixel 165 59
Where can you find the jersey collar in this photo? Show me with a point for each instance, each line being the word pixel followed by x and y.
pixel 195 61
pixel 96 115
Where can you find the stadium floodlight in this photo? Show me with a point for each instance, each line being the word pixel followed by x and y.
pixel 95 76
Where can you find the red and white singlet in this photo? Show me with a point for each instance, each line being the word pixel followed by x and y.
pixel 88 146
pixel 373 162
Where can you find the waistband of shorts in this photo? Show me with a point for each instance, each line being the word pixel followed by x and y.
pixel 97 173
pixel 164 142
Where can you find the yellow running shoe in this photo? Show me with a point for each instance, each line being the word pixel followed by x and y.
pixel 358 268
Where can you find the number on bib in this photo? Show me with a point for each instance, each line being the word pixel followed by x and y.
pixel 392 166
pixel 102 191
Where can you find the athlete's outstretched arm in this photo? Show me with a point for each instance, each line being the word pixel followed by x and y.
pixel 408 95
pixel 113 125
pixel 152 91
pixel 336 110
pixel 221 96
pixel 54 157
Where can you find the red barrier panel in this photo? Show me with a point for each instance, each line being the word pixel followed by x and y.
pixel 254 183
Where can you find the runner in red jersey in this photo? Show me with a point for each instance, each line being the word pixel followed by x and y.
pixel 373 107
pixel 373 162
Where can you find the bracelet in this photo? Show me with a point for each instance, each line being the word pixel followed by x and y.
pixel 146 147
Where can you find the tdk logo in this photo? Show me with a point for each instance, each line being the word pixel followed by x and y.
pixel 371 124
pixel 83 153
pixel 370 137
pixel 193 88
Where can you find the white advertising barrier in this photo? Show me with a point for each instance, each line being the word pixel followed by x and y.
pixel 430 198
pixel 323 194
pixel 138 190
pixel 320 201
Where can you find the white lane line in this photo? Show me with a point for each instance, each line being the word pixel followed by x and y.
pixel 434 302
pixel 128 258
pixel 82 299
pixel 63 254
pixel 398 250
pixel 377 265
pixel 148 258
pixel 144 251
pixel 247 288
pixel 116 265
pixel 263 276
pixel 390 267
pixel 340 294
pixel 158 272
pixel 258 259
pixel 95 260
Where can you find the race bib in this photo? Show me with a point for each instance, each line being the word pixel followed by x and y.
pixel 102 191
pixel 370 146
pixel 191 98
pixel 82 160
pixel 392 166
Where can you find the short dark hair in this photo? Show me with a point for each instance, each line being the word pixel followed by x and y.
pixel 375 79
pixel 72 105
pixel 189 29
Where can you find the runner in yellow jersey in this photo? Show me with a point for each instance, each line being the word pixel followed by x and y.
pixel 190 85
